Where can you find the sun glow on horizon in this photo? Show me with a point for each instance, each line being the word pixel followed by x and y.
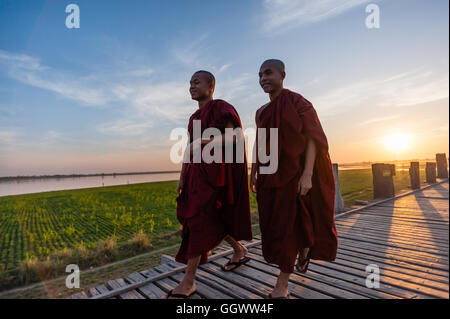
pixel 397 142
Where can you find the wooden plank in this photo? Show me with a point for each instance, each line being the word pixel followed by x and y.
pixel 439 222
pixel 202 289
pixel 150 290
pixel 102 289
pixel 332 286
pixel 359 277
pixel 270 280
pixel 423 205
pixel 387 220
pixel 440 261
pixel 238 280
pixel 387 278
pixel 424 269
pixel 79 295
pixel 396 243
pixel 419 237
pixel 93 292
pixel 397 232
pixel 160 276
pixel 396 229
pixel 221 284
pixel 416 273
pixel 387 235
pixel 403 211
pixel 166 283
pixel 117 283
pixel 419 281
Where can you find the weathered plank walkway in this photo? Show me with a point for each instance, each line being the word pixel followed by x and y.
pixel 407 237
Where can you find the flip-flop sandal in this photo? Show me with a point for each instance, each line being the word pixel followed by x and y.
pixel 286 297
pixel 183 296
pixel 236 264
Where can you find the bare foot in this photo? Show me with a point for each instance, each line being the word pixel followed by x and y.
pixel 184 288
pixel 279 291
pixel 239 252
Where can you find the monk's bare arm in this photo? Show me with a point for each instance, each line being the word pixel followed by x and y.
pixel 183 171
pixel 305 182
pixel 310 157
pixel 253 172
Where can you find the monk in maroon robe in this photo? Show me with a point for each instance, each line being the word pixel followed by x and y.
pixel 296 203
pixel 213 202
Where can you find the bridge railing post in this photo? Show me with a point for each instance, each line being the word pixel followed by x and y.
pixel 383 182
pixel 430 172
pixel 414 175
pixel 338 201
pixel 441 161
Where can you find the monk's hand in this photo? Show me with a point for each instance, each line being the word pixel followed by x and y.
pixel 253 183
pixel 180 187
pixel 304 184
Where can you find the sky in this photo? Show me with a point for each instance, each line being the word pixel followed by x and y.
pixel 105 97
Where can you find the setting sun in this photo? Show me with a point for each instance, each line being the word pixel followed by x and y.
pixel 398 142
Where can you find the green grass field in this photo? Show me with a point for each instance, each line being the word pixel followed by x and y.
pixel 38 225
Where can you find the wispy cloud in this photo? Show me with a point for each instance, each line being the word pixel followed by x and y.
pixel 136 88
pixel 189 52
pixel 146 100
pixel 283 15
pixel 408 88
pixel 125 127
pixel 7 137
pixel 379 119
pixel 29 70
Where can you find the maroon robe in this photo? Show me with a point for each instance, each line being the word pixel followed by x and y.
pixel 287 222
pixel 215 199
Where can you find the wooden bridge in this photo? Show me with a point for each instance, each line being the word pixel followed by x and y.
pixel 406 237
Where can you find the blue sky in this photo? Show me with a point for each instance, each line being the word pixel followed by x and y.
pixel 106 96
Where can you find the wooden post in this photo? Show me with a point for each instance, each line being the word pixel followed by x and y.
pixel 414 175
pixel 430 172
pixel 383 183
pixel 338 201
pixel 441 161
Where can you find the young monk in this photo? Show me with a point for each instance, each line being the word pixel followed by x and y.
pixel 296 203
pixel 213 202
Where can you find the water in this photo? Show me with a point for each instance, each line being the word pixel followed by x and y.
pixel 37 185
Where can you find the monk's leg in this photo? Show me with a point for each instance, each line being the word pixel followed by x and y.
pixel 187 285
pixel 302 255
pixel 239 250
pixel 281 287
pixel 305 235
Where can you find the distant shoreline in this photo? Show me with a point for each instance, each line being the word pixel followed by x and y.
pixel 8 178
pixel 344 165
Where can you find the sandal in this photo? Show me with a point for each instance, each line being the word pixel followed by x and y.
pixel 183 296
pixel 236 264
pixel 303 267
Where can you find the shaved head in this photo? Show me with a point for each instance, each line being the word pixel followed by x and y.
pixel 278 64
pixel 202 85
pixel 208 76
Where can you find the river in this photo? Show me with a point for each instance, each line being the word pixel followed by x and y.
pixel 37 185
